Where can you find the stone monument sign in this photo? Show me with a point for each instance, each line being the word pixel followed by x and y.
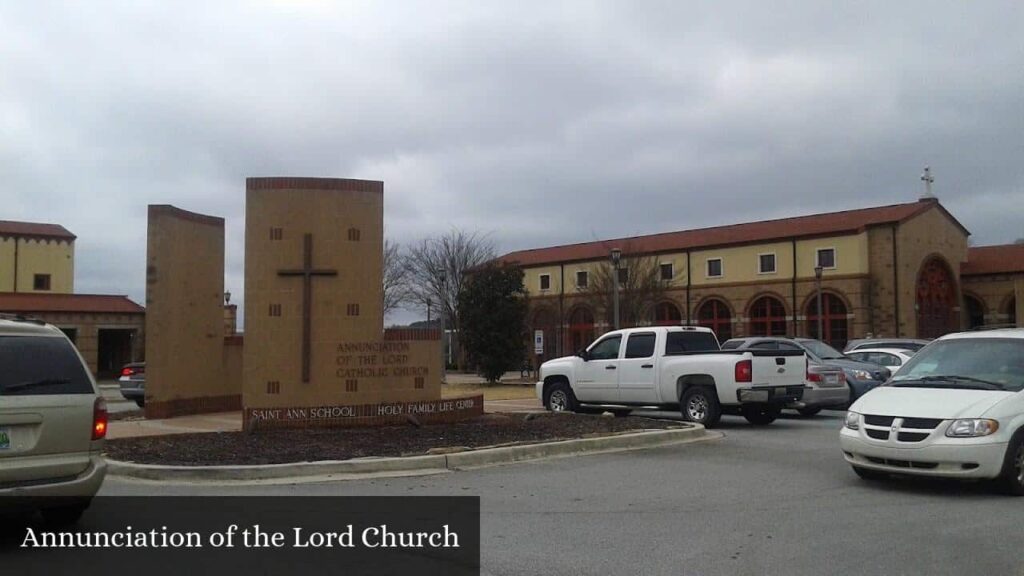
pixel 316 352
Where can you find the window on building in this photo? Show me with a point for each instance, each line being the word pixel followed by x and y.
pixel 767 317
pixel 766 264
pixel 667 314
pixel 667 273
pixel 545 281
pixel 714 267
pixel 41 282
pixel 715 314
pixel 834 321
pixel 582 279
pixel 623 275
pixel 826 258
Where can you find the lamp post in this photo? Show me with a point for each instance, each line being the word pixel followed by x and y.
pixel 616 257
pixel 442 304
pixel 428 313
pixel 817 280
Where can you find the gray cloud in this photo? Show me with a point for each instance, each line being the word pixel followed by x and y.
pixel 540 123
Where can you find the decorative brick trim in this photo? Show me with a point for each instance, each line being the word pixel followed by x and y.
pixel 300 183
pixel 186 406
pixel 360 415
pixel 415 334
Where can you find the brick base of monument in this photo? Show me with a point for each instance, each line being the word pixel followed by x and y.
pixel 184 406
pixel 355 415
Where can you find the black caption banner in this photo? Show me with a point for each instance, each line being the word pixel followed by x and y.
pixel 258 535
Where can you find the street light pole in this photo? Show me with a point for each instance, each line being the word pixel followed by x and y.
pixel 817 279
pixel 443 314
pixel 616 257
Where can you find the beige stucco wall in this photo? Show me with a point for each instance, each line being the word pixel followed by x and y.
pixel 37 256
pixel 995 292
pixel 350 363
pixel 185 314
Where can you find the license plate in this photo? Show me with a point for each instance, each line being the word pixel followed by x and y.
pixel 832 379
pixel 5 439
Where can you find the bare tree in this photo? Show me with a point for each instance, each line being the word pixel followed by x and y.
pixel 640 288
pixel 437 268
pixel 396 277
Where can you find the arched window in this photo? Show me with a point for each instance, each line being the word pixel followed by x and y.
pixel 667 314
pixel 975 312
pixel 581 328
pixel 767 317
pixel 715 314
pixel 833 320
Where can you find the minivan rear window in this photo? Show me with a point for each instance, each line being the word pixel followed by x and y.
pixel 40 366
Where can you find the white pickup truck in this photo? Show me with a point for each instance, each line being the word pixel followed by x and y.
pixel 678 368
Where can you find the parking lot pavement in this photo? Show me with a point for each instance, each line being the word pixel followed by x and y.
pixel 763 500
pixel 115 402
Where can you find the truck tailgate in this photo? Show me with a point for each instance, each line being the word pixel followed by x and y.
pixel 778 367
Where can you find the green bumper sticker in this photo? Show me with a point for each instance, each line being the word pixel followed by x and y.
pixel 5 440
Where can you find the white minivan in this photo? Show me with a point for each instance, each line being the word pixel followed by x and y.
pixel 955 409
pixel 52 423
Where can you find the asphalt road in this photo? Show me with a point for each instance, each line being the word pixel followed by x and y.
pixel 774 500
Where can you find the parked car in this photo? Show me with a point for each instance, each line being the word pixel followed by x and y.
pixel 891 358
pixel 133 382
pixel 678 368
pixel 53 421
pixel 826 384
pixel 956 409
pixel 912 344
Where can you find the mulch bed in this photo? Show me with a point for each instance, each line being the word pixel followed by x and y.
pixel 283 446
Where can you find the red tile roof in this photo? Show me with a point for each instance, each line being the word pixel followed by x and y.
pixel 29 302
pixel 1003 259
pixel 11 228
pixel 845 222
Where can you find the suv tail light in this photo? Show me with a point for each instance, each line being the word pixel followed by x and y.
pixel 99 419
pixel 744 371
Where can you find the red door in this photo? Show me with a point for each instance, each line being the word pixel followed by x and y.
pixel 936 300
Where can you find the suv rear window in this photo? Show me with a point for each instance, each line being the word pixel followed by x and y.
pixel 678 342
pixel 38 366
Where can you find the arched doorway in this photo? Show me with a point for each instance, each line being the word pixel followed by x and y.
pixel 581 328
pixel 834 323
pixel 546 321
pixel 767 317
pixel 975 310
pixel 715 314
pixel 667 314
pixel 936 300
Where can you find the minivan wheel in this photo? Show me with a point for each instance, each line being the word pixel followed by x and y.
pixel 809 411
pixel 699 404
pixel 560 398
pixel 1012 478
pixel 66 515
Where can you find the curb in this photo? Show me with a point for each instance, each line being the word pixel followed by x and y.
pixel 430 464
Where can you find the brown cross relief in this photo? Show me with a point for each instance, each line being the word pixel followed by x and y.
pixel 307 272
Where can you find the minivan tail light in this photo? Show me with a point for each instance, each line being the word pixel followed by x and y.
pixel 744 371
pixel 99 419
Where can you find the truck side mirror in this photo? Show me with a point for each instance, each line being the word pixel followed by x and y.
pixel 584 354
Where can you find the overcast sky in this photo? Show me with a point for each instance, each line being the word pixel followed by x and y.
pixel 537 122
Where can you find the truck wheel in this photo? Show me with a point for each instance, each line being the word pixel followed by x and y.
pixel 700 404
pixel 560 398
pixel 760 415
pixel 809 411
pixel 1011 480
